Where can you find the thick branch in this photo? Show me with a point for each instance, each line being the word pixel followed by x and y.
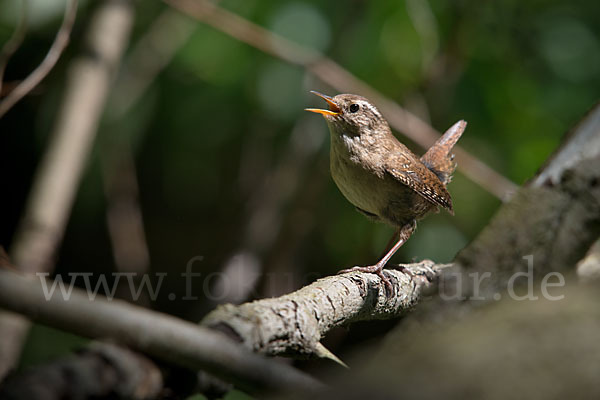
pixel 510 349
pixel 293 324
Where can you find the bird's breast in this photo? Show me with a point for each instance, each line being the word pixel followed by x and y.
pixel 359 181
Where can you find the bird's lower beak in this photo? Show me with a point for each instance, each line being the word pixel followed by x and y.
pixel 334 109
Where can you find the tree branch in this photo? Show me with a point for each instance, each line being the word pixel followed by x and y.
pixel 160 335
pixel 100 370
pixel 59 44
pixel 293 324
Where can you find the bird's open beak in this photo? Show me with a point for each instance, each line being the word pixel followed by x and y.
pixel 334 109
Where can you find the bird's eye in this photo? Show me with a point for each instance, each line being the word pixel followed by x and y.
pixel 353 108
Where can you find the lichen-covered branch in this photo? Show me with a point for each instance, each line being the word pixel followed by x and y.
pixel 295 323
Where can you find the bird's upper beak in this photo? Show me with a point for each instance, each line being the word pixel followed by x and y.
pixel 334 109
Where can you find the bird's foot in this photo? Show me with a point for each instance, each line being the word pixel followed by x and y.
pixel 376 269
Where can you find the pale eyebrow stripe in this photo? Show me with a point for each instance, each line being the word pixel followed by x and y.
pixel 372 108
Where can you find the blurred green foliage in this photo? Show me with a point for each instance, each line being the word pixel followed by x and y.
pixel 221 133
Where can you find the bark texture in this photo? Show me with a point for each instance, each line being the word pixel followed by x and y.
pixel 293 324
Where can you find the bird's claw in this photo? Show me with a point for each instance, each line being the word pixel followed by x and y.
pixel 373 269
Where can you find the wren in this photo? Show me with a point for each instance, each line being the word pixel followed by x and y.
pixel 380 176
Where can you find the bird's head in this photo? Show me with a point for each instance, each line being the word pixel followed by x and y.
pixel 351 115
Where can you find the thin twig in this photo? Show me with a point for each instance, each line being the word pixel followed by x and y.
pixel 341 79
pixel 11 46
pixel 59 44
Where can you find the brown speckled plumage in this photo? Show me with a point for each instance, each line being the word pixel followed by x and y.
pixel 379 175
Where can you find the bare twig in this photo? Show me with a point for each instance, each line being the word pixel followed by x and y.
pixel 42 227
pixel 163 336
pixel 339 78
pixel 59 44
pixel 11 46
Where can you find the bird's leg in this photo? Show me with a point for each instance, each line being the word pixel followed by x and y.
pixel 403 234
pixel 395 236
